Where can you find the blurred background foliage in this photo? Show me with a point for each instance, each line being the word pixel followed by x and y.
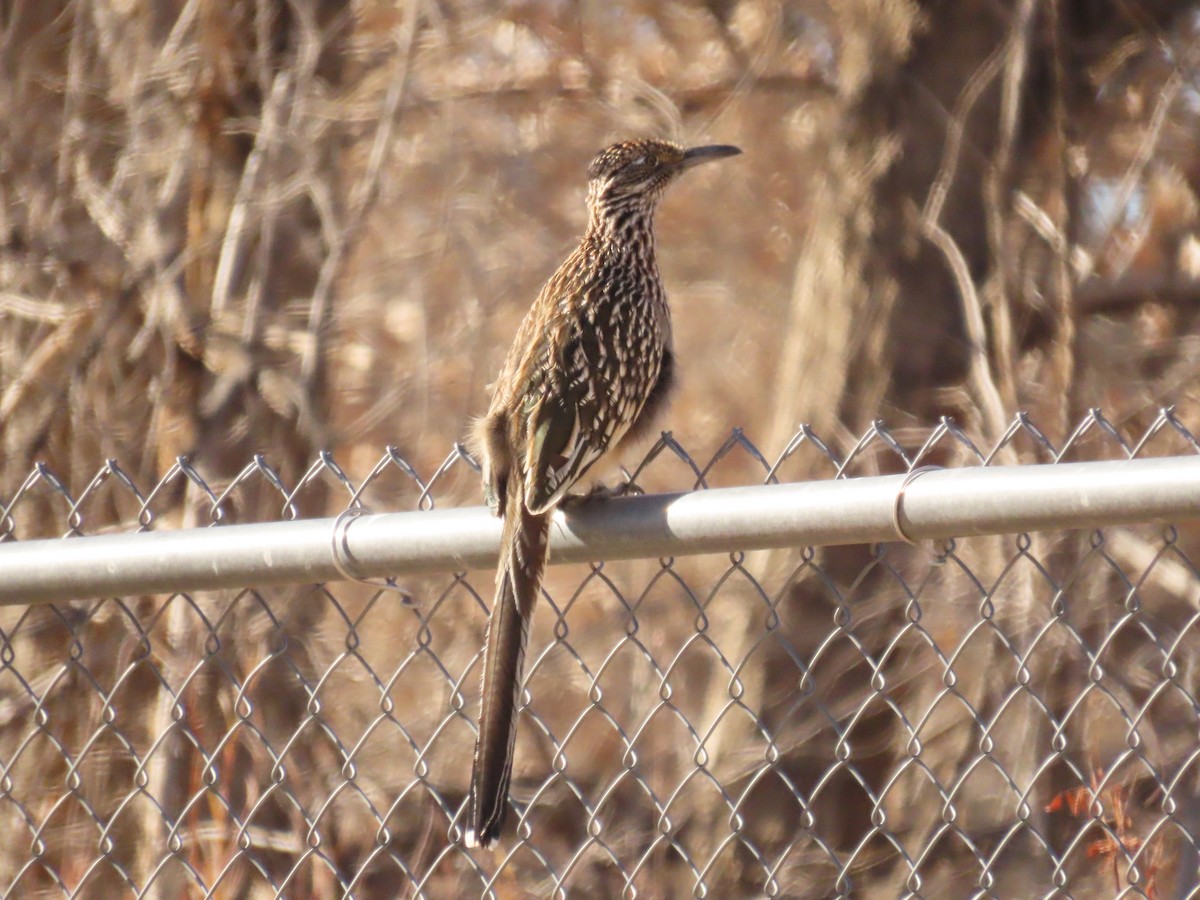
pixel 280 226
pixel 271 225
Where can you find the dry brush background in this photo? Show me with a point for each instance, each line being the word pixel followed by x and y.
pixel 282 226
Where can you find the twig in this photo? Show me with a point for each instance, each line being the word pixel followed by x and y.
pixel 952 151
pixel 362 197
pixel 1141 160
pixel 997 192
pixel 982 380
pixel 1064 339
pixel 229 259
pixel 32 309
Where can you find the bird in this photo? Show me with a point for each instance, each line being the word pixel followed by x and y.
pixel 590 371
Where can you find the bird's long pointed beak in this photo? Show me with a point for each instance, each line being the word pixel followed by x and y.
pixel 697 155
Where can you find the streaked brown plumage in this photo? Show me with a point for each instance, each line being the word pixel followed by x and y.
pixel 590 369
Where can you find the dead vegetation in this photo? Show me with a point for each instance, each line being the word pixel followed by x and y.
pixel 282 226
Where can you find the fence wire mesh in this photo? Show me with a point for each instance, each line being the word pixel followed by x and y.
pixel 1002 716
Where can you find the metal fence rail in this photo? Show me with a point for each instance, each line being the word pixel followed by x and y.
pixel 808 707
pixel 944 503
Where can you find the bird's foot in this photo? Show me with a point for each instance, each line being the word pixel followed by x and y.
pixel 601 491
pixel 491 499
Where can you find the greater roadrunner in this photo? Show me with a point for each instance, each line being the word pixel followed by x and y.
pixel 590 369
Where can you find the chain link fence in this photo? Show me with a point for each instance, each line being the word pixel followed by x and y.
pixel 998 716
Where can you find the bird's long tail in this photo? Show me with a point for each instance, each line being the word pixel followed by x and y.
pixel 522 558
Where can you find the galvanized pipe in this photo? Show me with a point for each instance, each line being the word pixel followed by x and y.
pixel 941 503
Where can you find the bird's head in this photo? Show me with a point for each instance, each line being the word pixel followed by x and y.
pixel 634 174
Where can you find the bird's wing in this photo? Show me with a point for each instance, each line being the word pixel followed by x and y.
pixel 568 426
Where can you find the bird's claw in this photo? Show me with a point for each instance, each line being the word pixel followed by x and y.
pixel 601 491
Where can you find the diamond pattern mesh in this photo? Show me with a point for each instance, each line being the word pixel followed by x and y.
pixel 1002 716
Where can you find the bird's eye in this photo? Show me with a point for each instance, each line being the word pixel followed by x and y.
pixel 648 160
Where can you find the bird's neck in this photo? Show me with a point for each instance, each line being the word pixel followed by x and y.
pixel 628 227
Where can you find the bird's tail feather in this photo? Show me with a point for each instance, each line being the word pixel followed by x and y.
pixel 522 558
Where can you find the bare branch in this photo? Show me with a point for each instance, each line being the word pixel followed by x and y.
pixel 983 382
